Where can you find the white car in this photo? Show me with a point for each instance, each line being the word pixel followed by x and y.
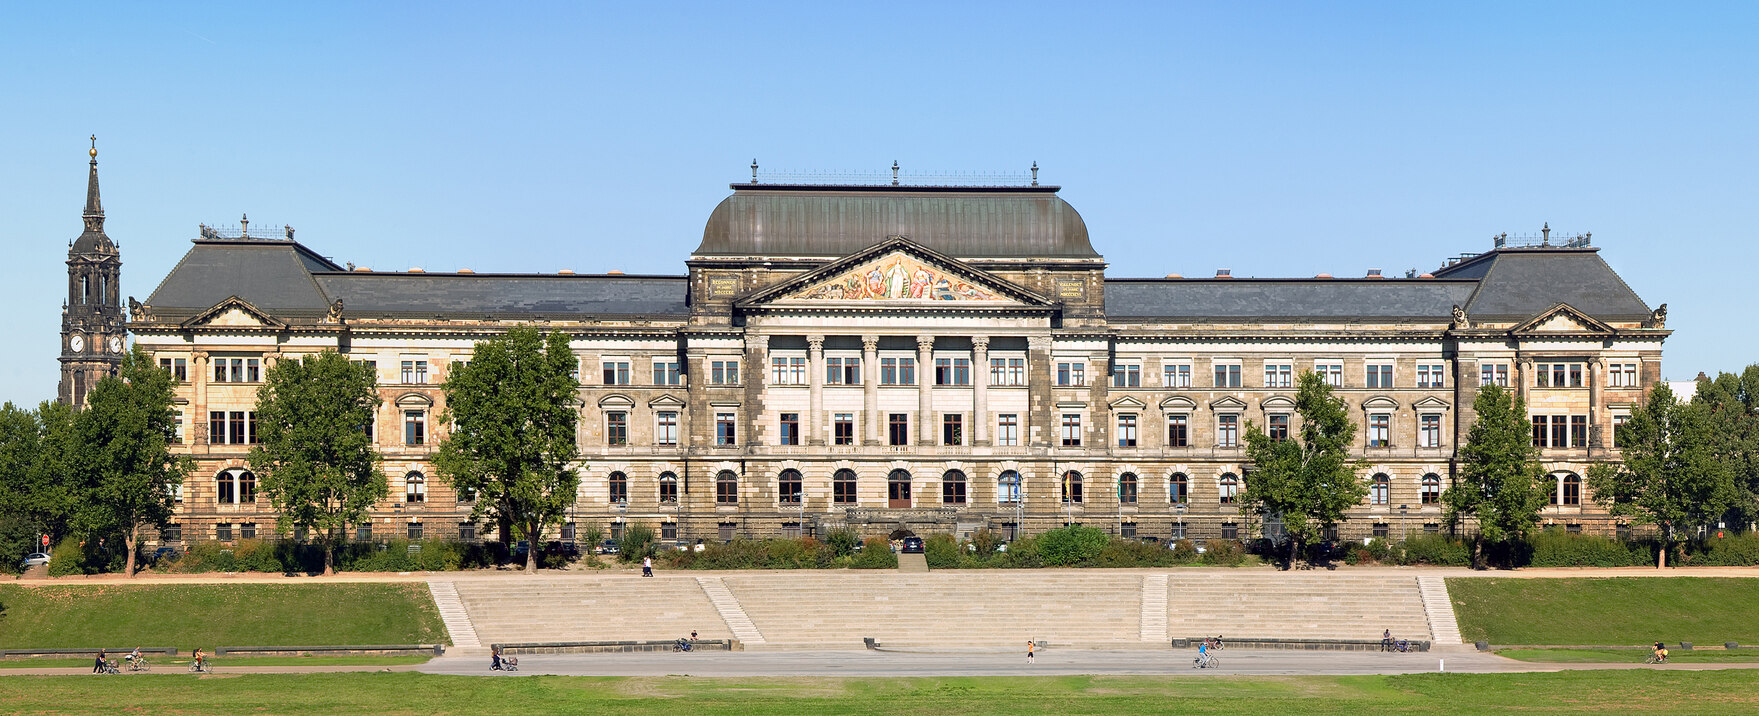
pixel 34 559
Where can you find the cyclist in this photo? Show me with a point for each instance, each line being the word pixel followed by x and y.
pixel 1203 654
pixel 1660 653
pixel 134 657
pixel 201 662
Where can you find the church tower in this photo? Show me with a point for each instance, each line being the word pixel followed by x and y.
pixel 92 331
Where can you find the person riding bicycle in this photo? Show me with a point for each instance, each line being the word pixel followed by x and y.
pixel 201 660
pixel 133 656
pixel 1660 653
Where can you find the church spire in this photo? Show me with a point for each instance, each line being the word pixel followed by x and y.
pixel 94 213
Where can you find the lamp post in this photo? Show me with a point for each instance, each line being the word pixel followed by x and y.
pixel 1402 532
pixel 1179 509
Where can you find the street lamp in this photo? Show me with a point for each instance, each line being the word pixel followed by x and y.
pixel 1402 532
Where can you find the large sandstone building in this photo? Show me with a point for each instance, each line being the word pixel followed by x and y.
pixel 897 357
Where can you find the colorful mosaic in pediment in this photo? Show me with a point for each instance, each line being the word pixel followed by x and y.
pixel 898 276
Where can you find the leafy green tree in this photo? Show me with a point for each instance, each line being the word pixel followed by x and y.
pixel 1308 482
pixel 20 441
pixel 512 412
pixel 43 480
pixel 315 462
pixel 1500 475
pixel 125 433
pixel 1670 474
pixel 1733 402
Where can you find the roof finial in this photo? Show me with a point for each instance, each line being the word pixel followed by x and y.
pixel 289 228
pixel 1545 235
pixel 754 170
pixel 894 172
pixel 1035 172
pixel 244 227
pixel 94 147
pixel 94 212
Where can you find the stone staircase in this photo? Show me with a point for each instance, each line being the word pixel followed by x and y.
pixel 732 614
pixel 588 608
pixel 454 615
pixel 913 563
pixel 1440 609
pixel 1154 609
pixel 1295 605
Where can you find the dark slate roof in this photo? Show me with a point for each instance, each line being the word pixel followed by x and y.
pixel 274 276
pixel 1243 298
pixel 505 295
pixel 1519 283
pixel 832 221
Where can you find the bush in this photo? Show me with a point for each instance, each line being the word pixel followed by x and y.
pixel 1184 552
pixel 875 553
pixel 984 541
pixel 1022 554
pixel 72 557
pixel 1738 550
pixel 1225 553
pixel 1133 553
pixel 804 553
pixel 638 542
pixel 1437 549
pixel 942 551
pixel 842 541
pixel 1556 548
pixel 397 556
pixel 1071 545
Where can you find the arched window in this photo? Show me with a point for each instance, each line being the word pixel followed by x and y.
pixel 668 488
pixel 415 487
pixel 1179 489
pixel 953 488
pixel 898 489
pixel 235 486
pixel 1431 489
pixel 1071 488
pixel 726 488
pixel 619 488
pixel 1572 489
pixel 843 487
pixel 1230 488
pixel 1381 491
pixel 789 489
pixel 1127 488
pixel 1008 488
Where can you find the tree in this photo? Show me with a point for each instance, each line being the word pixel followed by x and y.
pixel 511 443
pixel 1309 483
pixel 1670 474
pixel 1733 402
pixel 20 440
pixel 45 490
pixel 315 461
pixel 1500 475
pixel 126 431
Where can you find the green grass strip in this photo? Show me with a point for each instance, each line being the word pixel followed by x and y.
pixel 185 616
pixel 1629 656
pixel 159 661
pixel 1607 611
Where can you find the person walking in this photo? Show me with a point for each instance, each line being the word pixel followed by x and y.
pixel 647 566
pixel 1030 645
pixel 98 666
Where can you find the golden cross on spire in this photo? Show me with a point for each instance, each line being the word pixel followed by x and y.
pixel 94 146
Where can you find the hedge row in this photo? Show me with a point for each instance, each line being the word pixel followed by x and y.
pixel 1557 548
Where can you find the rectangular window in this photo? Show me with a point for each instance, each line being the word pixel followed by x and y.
pixel 952 371
pixel 216 427
pixel 1007 371
pixel 1227 434
pixel 789 488
pixel 1178 531
pixel 1575 375
pixel 253 372
pixel 1579 431
pixel 1331 373
pixel 1279 375
pixel 616 428
pixel 1378 375
pixel 1382 529
pixel 953 429
pixel 898 428
pixel 415 531
pixel 1071 374
pixel 1560 431
pixel 179 368
pixel 666 427
pixel 1008 429
pixel 1126 430
pixel 952 491
pixel 725 432
pixel 171 533
pixel 1227 375
pixel 726 530
pixel 843 488
pixel 666 372
pixel 247 530
pixel 788 370
pixel 669 530
pixel 1127 375
pixel 1071 430
pixel 1230 530
pixel 615 372
pixel 842 371
pixel 843 429
pixel 177 428
pixel 1539 432
pixel 1622 375
pixel 1429 431
pixel 1430 375
pixel 1493 374
pixel 1178 431
pixel 1176 375
pixel 1380 430
pixel 791 530
pixel 1278 426
pixel 1618 429
pixel 1431 528
pixel 467 531
pixel 723 372
pixel 415 372
pixel 898 371
pixel 238 435
pixel 790 429
pixel 1127 530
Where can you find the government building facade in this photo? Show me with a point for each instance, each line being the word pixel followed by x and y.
pixel 899 358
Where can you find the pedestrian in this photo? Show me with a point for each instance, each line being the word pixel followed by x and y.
pixel 98 665
pixel 1029 647
pixel 647 566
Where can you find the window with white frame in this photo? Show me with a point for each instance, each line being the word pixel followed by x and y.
pixel 1008 488
pixel 235 486
pixel 666 372
pixel 666 427
pixel 1227 374
pixel 414 371
pixel 1279 375
pixel 1380 430
pixel 1432 489
pixel 788 370
pixel 726 430
pixel 1493 374
pixel 1331 372
pixel 1007 371
pixel 1126 430
pixel 615 371
pixel 1071 373
pixel 1377 375
pixel 1178 430
pixel 1071 430
pixel 1429 430
pixel 1008 429
pixel 1227 430
pixel 1431 375
pixel 1558 375
pixel 897 370
pixel 723 372
pixel 842 370
pixel 1380 490
pixel 843 429
pixel 249 370
pixel 1176 375
pixel 1621 375
pixel 1126 375
pixel 616 427
pixel 952 371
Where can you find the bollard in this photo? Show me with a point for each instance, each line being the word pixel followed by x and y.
pixel 1441 665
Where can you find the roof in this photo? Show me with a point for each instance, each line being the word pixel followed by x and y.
pixel 1521 282
pixel 273 275
pixel 505 295
pixel 1245 298
pixel 787 220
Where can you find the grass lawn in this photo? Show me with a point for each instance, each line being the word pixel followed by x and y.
pixel 186 616
pixel 1629 656
pixel 1607 611
pixel 160 661
pixel 1708 692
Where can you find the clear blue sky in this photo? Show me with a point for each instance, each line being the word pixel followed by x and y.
pixel 1273 139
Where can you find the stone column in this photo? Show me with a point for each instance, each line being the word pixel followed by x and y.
pixel 925 390
pixel 980 390
pixel 1596 378
pixel 1524 367
pixel 197 422
pixel 1036 428
pixel 870 419
pixel 757 358
pixel 813 426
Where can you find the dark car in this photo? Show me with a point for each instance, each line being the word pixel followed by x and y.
pixel 165 553
pixel 912 545
pixel 608 547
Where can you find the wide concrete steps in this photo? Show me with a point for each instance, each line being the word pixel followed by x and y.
pixel 597 609
pixel 1318 606
pixel 453 614
pixel 1440 608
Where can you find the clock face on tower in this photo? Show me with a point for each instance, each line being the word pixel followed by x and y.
pixel 77 343
pixel 115 344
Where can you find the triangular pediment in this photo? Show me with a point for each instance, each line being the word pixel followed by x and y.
pixel 665 401
pixel 1563 319
pixel 1228 402
pixel 234 312
pixel 1430 403
pixel 898 271
pixel 1127 403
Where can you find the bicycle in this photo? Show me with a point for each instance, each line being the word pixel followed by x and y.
pixel 1655 659
pixel 139 664
pixel 1401 646
pixel 1206 661
pixel 1214 644
pixel 201 667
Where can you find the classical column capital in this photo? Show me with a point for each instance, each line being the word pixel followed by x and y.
pixel 869 344
pixel 925 343
pixel 815 344
pixel 980 343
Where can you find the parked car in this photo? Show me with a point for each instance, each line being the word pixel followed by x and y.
pixel 565 548
pixel 35 558
pixel 164 554
pixel 608 547
pixel 912 545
